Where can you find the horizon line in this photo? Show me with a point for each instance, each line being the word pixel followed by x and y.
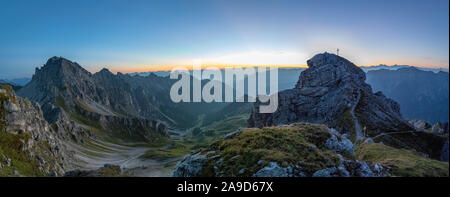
pixel 166 68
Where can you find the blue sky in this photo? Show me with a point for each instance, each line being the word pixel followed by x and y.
pixel 135 35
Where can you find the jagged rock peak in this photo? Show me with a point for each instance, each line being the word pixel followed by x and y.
pixel 105 71
pixel 332 91
pixel 329 70
pixel 59 67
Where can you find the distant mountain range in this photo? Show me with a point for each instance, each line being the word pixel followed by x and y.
pixel 16 81
pixel 289 75
pixel 396 67
pixel 422 94
pixel 364 68
pixel 157 73
pixel 15 87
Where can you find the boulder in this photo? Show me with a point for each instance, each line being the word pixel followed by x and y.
pixel 192 165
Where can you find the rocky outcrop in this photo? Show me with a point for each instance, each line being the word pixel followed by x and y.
pixel 68 129
pixel 339 143
pixel 274 170
pixel 326 92
pixel 192 164
pixel 107 170
pixel 354 168
pixel 440 128
pixel 420 125
pixel 310 150
pixel 134 127
pixel 39 144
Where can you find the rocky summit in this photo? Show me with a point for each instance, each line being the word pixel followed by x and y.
pixel 332 91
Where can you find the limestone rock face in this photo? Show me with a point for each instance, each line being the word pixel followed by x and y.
pixel 64 89
pixel 440 128
pixel 332 91
pixel 25 118
pixel 339 143
pixel 420 124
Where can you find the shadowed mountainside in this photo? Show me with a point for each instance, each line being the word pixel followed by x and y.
pixel 422 95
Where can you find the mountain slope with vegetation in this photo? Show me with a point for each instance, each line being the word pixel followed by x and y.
pixel 303 149
pixel 28 144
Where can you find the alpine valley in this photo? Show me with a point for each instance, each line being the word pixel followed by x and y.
pixel 331 121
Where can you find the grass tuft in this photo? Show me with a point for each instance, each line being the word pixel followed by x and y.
pixel 405 163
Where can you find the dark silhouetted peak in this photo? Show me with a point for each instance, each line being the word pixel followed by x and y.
pixel 105 71
pixel 105 76
pixel 55 59
pixel 60 68
pixel 57 75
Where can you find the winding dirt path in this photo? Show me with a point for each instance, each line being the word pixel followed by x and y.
pixel 358 130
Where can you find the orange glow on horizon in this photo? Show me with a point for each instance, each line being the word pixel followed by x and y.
pixel 155 68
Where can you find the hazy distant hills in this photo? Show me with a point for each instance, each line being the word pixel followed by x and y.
pixel 157 73
pixel 421 94
pixel 15 87
pixel 396 67
pixel 287 77
pixel 16 81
